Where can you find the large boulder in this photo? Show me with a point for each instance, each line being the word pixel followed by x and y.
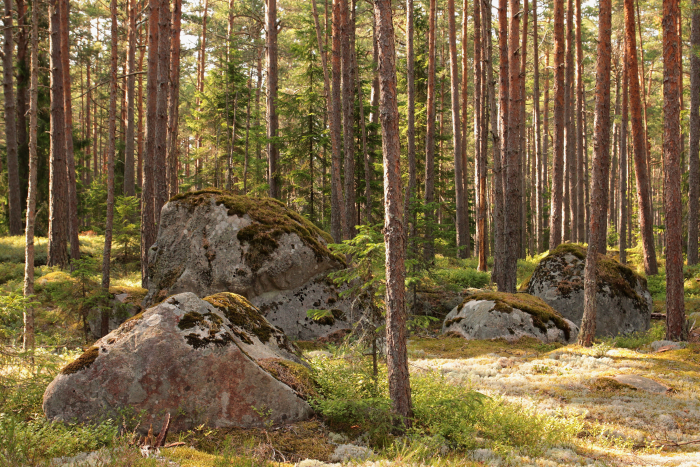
pixel 211 241
pixel 499 315
pixel 624 304
pixel 213 361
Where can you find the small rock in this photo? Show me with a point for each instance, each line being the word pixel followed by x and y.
pixel 640 382
pixel 345 452
pixel 668 345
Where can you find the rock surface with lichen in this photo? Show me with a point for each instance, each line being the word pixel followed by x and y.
pixel 213 361
pixel 624 304
pixel 212 241
pixel 498 315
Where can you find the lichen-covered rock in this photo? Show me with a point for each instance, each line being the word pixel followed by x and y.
pixel 210 361
pixel 288 309
pixel 498 315
pixel 211 241
pixel 624 304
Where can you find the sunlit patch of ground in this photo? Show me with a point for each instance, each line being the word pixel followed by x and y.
pixel 623 425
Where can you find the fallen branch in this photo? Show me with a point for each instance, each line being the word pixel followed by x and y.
pixel 674 444
pixel 659 316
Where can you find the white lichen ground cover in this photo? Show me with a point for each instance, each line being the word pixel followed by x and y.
pixel 623 426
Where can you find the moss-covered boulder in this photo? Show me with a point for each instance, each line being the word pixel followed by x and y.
pixel 210 361
pixel 624 304
pixel 499 315
pixel 212 241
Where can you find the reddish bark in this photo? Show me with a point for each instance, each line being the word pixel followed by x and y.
pixel 555 217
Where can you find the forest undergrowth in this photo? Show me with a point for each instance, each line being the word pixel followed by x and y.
pixel 475 402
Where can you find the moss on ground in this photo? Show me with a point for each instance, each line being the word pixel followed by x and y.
pixel 294 375
pixel 83 362
pixel 135 294
pixel 242 314
pixel 298 441
pixel 271 219
pixel 610 385
pixel 450 347
pixel 540 312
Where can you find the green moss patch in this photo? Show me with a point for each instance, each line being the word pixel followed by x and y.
pixel 243 315
pixel 83 362
pixel 536 307
pixel 294 375
pixel 271 219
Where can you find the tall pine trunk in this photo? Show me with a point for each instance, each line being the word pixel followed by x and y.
pixel 57 254
pixel 14 197
pixel 640 160
pixel 461 214
pixel 273 175
pixel 174 100
pixel 338 219
pixel 539 153
pixel 623 166
pixel 601 168
pixel 148 229
pixel 68 134
pixel 394 235
pixel 555 217
pixel 346 27
pixel 694 137
pixel 161 134
pixel 581 209
pixel 429 197
pixel 479 157
pixel 129 174
pixel 28 335
pixel 675 307
pixel 499 255
pixel 410 123
pixel 111 149
pixel 512 158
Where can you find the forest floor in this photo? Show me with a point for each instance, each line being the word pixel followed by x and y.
pixel 534 390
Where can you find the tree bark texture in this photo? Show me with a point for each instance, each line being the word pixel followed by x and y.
pixel 57 254
pixel 601 168
pixel 68 134
pixel 499 255
pixel 581 209
pixel 429 196
pixel 569 132
pixel 640 160
pixel 539 153
pixel 161 134
pixel 28 335
pixel 346 27
pixel 14 197
pixel 273 176
pixel 394 235
pixel 694 137
pixel 479 156
pixel 555 217
pixel 512 158
pixel 623 166
pixel 148 228
pixel 461 214
pixel 174 100
pixel 338 219
pixel 111 149
pixel 675 307
pixel 129 141
pixel 410 122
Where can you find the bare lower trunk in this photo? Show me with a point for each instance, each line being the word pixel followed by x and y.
pixel 410 124
pixel 539 153
pixel 348 110
pixel 273 176
pixel 623 168
pixel 161 134
pixel 640 160
pixel 174 100
pixel 129 183
pixel 479 159
pixel 675 306
pixel 28 339
pixel 581 209
pixel 461 214
pixel 429 197
pixel 148 229
pixel 57 254
pixel 694 142
pixel 14 197
pixel 394 235
pixel 111 147
pixel 499 255
pixel 601 168
pixel 555 217
pixel 512 159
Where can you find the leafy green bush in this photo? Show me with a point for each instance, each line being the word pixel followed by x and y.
pixel 657 286
pixel 464 278
pixel 641 338
pixel 12 250
pixel 30 442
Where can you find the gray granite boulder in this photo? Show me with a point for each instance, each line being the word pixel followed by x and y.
pixel 210 361
pixel 624 304
pixel 211 241
pixel 498 315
